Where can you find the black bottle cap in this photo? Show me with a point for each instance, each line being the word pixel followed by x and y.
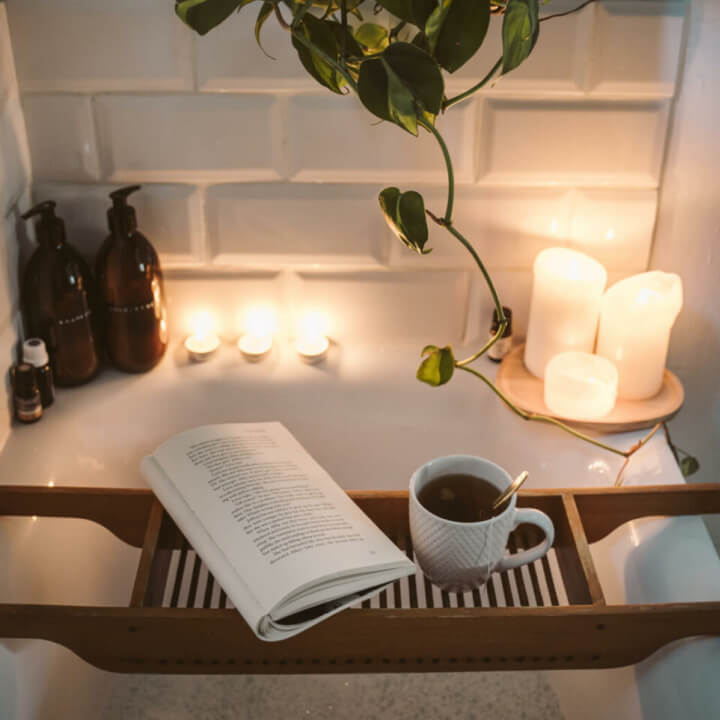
pixel 50 227
pixel 121 216
pixel 496 321
pixel 24 381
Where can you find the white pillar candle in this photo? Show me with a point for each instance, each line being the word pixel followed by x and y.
pixel 565 306
pixel 635 322
pixel 580 386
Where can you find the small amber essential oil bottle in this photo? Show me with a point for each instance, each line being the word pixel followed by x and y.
pixel 28 404
pixel 35 354
pixel 504 344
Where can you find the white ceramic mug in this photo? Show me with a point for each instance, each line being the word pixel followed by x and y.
pixel 460 556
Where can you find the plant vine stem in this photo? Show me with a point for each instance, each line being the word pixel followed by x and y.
pixel 670 443
pixel 323 56
pixel 458 98
pixel 553 421
pixel 281 20
pixel 447 220
pixel 462 96
pixel 633 450
pixel 343 20
pixel 567 12
pixel 498 305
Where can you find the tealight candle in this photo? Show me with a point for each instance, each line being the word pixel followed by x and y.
pixel 203 342
pixel 255 347
pixel 312 348
pixel 258 338
pixel 580 386
pixel 312 343
pixel 635 322
pixel 564 307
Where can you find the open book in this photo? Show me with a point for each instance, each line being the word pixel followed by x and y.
pixel 284 541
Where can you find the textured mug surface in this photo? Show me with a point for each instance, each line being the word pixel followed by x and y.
pixel 460 556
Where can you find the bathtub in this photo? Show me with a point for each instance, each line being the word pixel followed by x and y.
pixel 365 418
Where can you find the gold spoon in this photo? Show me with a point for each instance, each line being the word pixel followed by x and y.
pixel 510 490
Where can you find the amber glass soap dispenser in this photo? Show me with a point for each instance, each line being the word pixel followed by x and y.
pixel 59 300
pixel 131 290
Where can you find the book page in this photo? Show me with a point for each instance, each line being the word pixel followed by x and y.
pixel 275 513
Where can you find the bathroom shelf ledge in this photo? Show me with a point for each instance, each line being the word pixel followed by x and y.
pixel 550 614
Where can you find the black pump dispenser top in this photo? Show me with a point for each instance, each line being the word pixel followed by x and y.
pixel 50 227
pixel 121 216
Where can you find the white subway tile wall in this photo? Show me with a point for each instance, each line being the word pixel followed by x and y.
pixel 228 59
pixel 99 46
pixel 14 164
pixel 637 46
pixel 387 305
pixel 508 226
pixel 249 167
pixel 8 83
pixel 188 137
pixel 14 198
pixel 615 229
pixel 559 63
pixel 280 224
pixel 61 133
pixel 170 214
pixel 331 137
pixel 570 142
pixel 226 299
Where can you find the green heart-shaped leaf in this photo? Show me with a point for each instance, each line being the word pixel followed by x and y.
pixel 389 199
pixel 420 40
pixel 400 100
pixel 689 465
pixel 419 72
pixel 411 215
pixel 373 88
pixel 434 23
pixel 438 365
pixel 412 11
pixel 372 36
pixel 203 15
pixel 401 85
pixel 265 11
pixel 456 29
pixel 520 30
pixel 405 215
pixel 352 48
pixel 321 34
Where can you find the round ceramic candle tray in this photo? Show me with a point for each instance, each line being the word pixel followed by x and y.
pixel 527 392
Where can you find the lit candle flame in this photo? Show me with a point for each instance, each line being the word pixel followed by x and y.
pixel 312 343
pixel 203 342
pixel 260 323
pixel 203 325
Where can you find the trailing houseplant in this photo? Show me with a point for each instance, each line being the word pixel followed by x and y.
pixel 392 54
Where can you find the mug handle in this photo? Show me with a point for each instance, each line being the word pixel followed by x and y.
pixel 539 519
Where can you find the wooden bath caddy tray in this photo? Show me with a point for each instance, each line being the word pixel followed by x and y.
pixel 551 614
